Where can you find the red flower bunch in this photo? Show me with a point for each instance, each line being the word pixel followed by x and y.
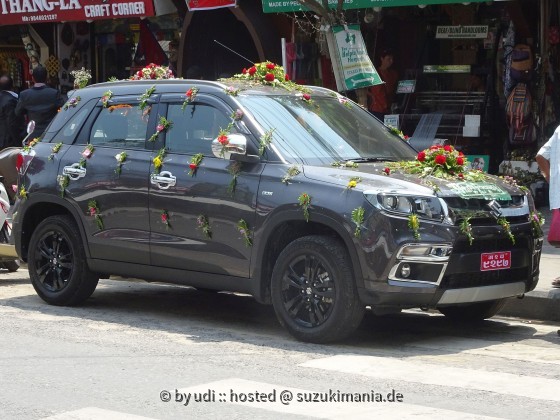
pixel 441 161
pixel 267 72
pixel 153 72
pixel 223 139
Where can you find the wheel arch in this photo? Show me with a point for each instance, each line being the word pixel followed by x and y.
pixel 38 209
pixel 281 229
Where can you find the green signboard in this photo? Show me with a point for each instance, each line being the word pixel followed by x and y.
pixel 484 190
pixel 277 6
pixel 447 68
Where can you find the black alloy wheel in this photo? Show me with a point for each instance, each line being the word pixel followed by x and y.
pixel 313 290
pixel 57 263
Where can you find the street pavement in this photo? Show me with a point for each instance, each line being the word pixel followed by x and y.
pixel 544 302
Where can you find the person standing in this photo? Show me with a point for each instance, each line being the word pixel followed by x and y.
pixel 548 159
pixel 12 128
pixel 40 103
pixel 380 97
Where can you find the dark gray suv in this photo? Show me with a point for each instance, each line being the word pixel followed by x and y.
pixel 294 195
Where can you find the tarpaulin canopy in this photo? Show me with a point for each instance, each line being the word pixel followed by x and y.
pixel 275 6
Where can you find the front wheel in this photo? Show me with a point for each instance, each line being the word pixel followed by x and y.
pixel 57 263
pixel 313 290
pixel 473 312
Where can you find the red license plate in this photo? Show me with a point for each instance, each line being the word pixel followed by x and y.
pixel 495 260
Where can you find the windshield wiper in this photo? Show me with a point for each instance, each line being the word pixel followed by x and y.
pixel 371 159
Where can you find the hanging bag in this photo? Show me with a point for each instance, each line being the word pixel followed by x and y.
pixel 554 232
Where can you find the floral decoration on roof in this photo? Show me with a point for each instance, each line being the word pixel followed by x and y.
pixel 153 72
pixel 268 73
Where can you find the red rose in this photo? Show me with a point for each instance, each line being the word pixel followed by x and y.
pixel 461 176
pixel 244 71
pixel 193 166
pixel 269 77
pixel 223 140
pixel 139 73
pixel 164 218
pixel 460 161
pixel 287 78
pixel 447 148
pixel 252 70
pixel 440 159
pixel 387 171
pixel 270 66
pixel 421 156
pixel 189 93
pixel 152 75
pixel 306 96
pixel 461 154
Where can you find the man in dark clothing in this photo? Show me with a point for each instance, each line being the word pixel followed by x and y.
pixel 12 128
pixel 40 103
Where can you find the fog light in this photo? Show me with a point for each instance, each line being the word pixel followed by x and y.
pixel 405 270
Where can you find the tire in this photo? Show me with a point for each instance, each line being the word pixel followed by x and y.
pixel 313 290
pixel 57 263
pixel 11 266
pixel 473 312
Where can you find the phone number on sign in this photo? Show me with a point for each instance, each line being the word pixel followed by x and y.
pixel 38 18
pixel 285 397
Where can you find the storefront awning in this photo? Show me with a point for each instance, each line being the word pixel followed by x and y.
pixel 277 6
pixel 17 12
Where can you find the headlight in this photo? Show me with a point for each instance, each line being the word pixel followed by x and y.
pixel 425 207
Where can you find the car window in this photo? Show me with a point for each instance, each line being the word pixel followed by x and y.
pixel 122 126
pixel 70 122
pixel 194 128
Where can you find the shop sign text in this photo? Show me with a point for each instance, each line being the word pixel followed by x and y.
pixel 16 12
pixel 462 32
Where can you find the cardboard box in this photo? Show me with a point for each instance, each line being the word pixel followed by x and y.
pixel 472 120
pixel 471 131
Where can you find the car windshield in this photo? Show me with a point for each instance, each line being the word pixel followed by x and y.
pixel 324 130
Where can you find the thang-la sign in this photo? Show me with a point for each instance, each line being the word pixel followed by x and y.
pixel 28 11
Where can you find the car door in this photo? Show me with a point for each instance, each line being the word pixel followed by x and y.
pixel 195 218
pixel 112 196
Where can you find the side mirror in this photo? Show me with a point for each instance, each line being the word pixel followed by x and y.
pixel 30 127
pixel 237 144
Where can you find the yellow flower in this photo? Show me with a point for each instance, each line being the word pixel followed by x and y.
pixel 352 184
pixel 157 162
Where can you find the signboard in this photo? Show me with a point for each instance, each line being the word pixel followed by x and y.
pixel 352 66
pixel 462 32
pixel 278 6
pixel 406 86
pixel 484 190
pixel 391 120
pixel 209 4
pixel 16 12
pixel 452 68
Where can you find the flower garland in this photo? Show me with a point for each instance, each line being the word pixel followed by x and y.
pixel 93 211
pixel 245 232
pixel 204 225
pixel 345 164
pixel 265 140
pixel 230 90
pixel 397 132
pixel 268 73
pixel 537 221
pixel 234 169
pixel 164 125
pixel 353 182
pixel 466 229
pixel 223 140
pixel 164 217
pixel 63 182
pixel 121 157
pixel 502 221
pixel 22 193
pixel 120 106
pixel 290 173
pixel 153 72
pixel 237 115
pixel 358 218
pixel 189 97
pixel 196 160
pixel 106 98
pixel 414 225
pixel 304 201
pixel 27 148
pixel 71 103
pixel 146 96
pixel 54 150
pixel 158 159
pixel 86 154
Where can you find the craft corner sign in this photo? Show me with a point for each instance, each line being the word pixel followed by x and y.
pixel 279 6
pixel 17 12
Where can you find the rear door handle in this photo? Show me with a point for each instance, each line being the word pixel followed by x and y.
pixel 74 171
pixel 163 180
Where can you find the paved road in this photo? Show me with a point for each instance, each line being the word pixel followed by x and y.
pixel 134 344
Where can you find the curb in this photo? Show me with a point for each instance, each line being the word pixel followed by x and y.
pixel 541 305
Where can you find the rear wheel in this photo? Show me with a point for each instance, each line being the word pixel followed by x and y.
pixel 473 312
pixel 57 263
pixel 313 290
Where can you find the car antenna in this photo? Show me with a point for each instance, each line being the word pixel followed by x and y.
pixel 235 52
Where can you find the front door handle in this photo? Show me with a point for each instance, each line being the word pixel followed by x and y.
pixel 163 180
pixel 74 171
